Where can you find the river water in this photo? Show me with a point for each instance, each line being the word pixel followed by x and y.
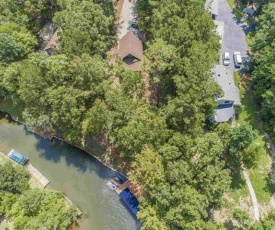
pixel 77 174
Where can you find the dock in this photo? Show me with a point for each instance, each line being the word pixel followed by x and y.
pixel 121 187
pixel 129 199
pixel 33 171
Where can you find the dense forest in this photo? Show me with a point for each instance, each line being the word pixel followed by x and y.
pixel 183 166
pixel 263 67
pixel 29 208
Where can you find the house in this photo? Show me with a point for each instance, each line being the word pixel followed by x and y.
pixel 249 11
pixel 45 34
pixel 130 50
pixel 53 43
pixel 48 38
pixel 212 6
pixel 231 96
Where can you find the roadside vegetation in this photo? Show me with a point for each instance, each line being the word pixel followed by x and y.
pixel 183 166
pixel 23 206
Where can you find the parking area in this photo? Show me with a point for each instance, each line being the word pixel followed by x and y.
pixel 234 34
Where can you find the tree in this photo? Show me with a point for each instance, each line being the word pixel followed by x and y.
pixel 37 209
pixel 13 179
pixel 149 171
pixel 85 28
pixel 265 33
pixel 9 49
pixel 242 136
pixel 243 218
pixel 98 119
pixel 160 62
pixel 145 127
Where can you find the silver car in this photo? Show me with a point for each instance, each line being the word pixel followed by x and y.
pixel 238 59
pixel 226 58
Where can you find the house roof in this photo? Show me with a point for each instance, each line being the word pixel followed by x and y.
pixel 53 42
pixel 224 112
pixel 249 11
pixel 212 6
pixel 130 44
pixel 224 78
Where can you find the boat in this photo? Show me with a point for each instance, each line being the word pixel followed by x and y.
pixel 111 185
pixel 18 157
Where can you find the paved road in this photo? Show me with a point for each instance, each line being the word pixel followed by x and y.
pixel 128 13
pixel 234 36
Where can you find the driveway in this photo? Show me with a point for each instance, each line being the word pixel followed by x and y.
pixel 234 35
pixel 128 13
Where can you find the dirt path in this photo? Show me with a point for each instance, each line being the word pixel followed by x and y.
pixel 252 195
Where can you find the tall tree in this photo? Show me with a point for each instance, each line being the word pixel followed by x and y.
pixel 85 28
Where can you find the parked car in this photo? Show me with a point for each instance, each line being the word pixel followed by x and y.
pixel 133 23
pixel 18 157
pixel 118 180
pixel 226 58
pixel 237 59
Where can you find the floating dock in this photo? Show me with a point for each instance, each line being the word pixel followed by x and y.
pixel 121 187
pixel 127 196
pixel 43 180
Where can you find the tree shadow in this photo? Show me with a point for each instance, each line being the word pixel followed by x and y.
pixel 269 185
pixel 229 225
pixel 237 180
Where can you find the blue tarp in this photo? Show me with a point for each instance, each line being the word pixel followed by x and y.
pixel 130 200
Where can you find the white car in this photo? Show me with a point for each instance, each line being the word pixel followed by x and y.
pixel 238 59
pixel 226 58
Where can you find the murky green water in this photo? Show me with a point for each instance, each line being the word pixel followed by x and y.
pixel 81 177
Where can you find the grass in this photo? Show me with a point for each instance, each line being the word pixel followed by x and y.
pixel 232 4
pixel 249 113
pixel 239 189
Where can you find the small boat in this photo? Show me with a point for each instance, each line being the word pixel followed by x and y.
pixel 18 157
pixel 111 185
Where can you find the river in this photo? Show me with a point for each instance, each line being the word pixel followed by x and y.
pixel 74 172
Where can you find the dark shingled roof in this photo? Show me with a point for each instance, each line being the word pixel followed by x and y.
pixel 130 47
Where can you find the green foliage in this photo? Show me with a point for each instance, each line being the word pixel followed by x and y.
pixel 85 28
pixel 13 179
pixel 243 218
pixel 264 71
pixel 182 51
pixel 23 38
pixel 32 211
pixel 151 170
pixel 186 184
pixel 6 202
pixel 97 119
pixel 241 146
pixel 9 49
pixel 144 127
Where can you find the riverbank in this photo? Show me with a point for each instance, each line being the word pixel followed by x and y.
pixel 34 184
pixel 103 153
pixel 77 174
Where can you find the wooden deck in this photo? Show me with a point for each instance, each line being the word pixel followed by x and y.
pixel 43 180
pixel 121 187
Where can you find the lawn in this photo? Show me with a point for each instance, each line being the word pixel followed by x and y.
pixel 239 188
pixel 231 4
pixel 249 114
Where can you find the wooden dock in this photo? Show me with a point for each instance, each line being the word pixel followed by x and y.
pixel 121 187
pixel 43 180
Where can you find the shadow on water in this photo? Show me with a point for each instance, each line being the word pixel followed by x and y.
pixel 56 150
pixel 76 173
